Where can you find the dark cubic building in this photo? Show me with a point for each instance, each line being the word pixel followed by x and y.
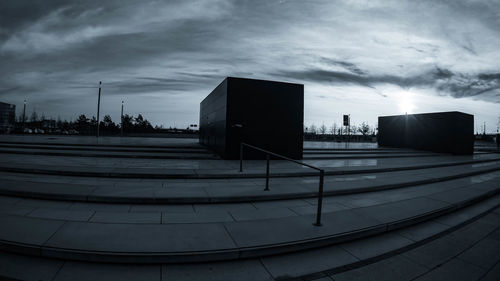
pixel 446 132
pixel 266 114
pixel 7 117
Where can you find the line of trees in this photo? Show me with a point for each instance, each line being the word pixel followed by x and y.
pixel 362 132
pixel 131 124
pixel 364 129
pixel 84 125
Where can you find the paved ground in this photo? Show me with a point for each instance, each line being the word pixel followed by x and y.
pixel 232 165
pixel 225 231
pixel 436 218
pixel 468 253
pixel 92 140
pixel 226 190
pixel 471 253
pixel 235 212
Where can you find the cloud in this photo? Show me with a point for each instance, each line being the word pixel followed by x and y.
pixel 489 76
pixel 351 67
pixel 180 50
pixel 443 80
pixel 460 86
pixel 9 90
pixel 77 23
pixel 145 85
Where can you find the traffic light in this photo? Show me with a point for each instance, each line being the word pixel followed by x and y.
pixel 346 120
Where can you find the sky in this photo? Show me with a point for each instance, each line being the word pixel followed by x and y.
pixel 366 58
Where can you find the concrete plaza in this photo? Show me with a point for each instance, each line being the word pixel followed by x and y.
pixel 114 212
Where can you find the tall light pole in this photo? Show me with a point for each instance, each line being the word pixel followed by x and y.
pixel 122 121
pixel 498 134
pixel 24 114
pixel 98 107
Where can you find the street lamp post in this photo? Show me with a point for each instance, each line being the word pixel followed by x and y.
pixel 349 131
pixel 24 114
pixel 347 124
pixel 98 107
pixel 121 133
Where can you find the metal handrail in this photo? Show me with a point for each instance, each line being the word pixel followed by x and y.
pixel 268 153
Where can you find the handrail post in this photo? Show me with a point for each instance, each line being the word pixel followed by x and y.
pixel 320 198
pixel 241 157
pixel 267 173
pixel 268 157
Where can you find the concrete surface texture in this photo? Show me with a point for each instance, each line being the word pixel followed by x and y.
pixel 411 217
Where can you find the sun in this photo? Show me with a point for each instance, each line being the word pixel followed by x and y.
pixel 406 103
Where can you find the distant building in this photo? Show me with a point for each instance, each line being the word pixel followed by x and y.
pixel 7 117
pixel 266 114
pixel 444 132
pixel 48 124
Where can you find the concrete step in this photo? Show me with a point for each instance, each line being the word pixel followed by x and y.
pixel 471 234
pixel 278 168
pixel 181 153
pixel 194 149
pixel 350 149
pixel 365 151
pixel 112 154
pixel 380 149
pixel 357 150
pixel 90 141
pixel 221 212
pixel 396 255
pixel 173 243
pixel 105 148
pixel 186 154
pixel 236 190
pixel 365 156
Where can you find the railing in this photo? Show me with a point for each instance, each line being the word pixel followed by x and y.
pixel 268 154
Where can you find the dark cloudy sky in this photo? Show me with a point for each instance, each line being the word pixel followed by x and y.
pixel 365 58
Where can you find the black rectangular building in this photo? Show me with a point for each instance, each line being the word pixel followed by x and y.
pixel 7 117
pixel 445 132
pixel 266 114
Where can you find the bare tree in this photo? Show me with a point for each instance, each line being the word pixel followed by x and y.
pixel 333 128
pixel 34 116
pixel 352 129
pixel 364 129
pixel 313 129
pixel 322 129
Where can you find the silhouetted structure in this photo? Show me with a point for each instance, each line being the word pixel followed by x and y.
pixel 7 117
pixel 266 114
pixel 448 132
